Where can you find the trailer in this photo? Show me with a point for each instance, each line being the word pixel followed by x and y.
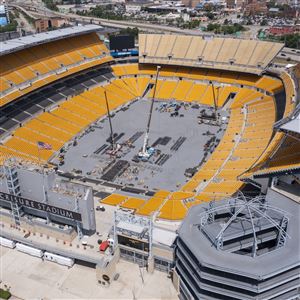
pixel 62 260
pixel 7 243
pixel 29 250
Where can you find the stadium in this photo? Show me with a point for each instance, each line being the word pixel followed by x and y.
pixel 191 122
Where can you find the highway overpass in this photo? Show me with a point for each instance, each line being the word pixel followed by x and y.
pixel 104 22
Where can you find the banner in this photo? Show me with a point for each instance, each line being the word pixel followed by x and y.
pixel 41 206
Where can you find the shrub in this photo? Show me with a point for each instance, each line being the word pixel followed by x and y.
pixel 4 294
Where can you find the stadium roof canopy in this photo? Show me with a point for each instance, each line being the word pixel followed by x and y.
pixel 45 37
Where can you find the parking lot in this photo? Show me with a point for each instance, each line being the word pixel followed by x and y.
pixel 31 278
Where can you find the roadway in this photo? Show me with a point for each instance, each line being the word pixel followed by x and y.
pixel 293 54
pixel 42 11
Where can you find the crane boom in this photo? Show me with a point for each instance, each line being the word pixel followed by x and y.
pixel 110 124
pixel 146 139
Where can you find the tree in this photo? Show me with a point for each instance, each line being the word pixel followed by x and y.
pixel 130 31
pixel 225 29
pixel 291 40
pixel 12 26
pixel 210 15
pixel 50 5
pixel 192 24
pixel 264 22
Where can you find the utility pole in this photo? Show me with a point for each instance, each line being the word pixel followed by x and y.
pixel 214 98
pixel 110 124
pixel 146 139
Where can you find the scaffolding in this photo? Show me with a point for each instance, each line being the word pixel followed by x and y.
pixel 246 225
pixel 13 187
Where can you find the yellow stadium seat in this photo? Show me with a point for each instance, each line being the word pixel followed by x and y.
pixel 114 199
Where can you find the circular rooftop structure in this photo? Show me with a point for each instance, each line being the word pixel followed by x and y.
pixel 239 248
pixel 245 226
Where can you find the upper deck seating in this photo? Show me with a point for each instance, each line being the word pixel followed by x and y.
pixel 251 56
pixel 31 68
pixel 286 158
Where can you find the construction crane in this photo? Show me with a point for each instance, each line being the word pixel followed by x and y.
pixel 146 153
pixel 114 147
pixel 214 98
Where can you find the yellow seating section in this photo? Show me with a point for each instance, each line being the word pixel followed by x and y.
pixel 175 207
pixel 173 210
pixel 270 84
pixel 290 93
pixel 72 54
pixel 287 157
pixel 267 83
pixel 182 90
pixel 131 85
pixel 29 148
pixel 166 90
pixel 133 203
pixel 196 93
pixel 250 56
pixel 114 199
pixel 220 173
pixel 61 124
pixel 33 137
pixel 282 154
pixel 170 206
pixel 6 153
pixel 45 128
pixel 154 203
pixel 280 161
pixel 142 83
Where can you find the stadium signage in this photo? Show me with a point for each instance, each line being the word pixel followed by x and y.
pixel 40 206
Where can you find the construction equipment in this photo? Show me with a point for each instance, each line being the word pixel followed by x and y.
pixel 146 152
pixel 112 140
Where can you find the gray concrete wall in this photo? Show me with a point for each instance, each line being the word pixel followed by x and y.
pixel 35 228
pixel 87 209
pixel 31 184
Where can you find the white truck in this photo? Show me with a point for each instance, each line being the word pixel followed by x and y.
pixel 7 243
pixel 29 250
pixel 62 260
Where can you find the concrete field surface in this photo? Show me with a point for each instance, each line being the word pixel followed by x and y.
pixel 89 157
pixel 31 278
